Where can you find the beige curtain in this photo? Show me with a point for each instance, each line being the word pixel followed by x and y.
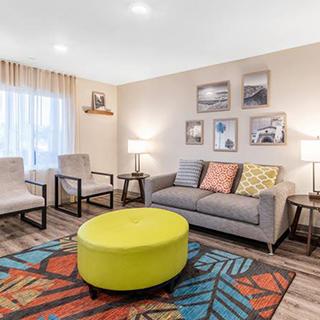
pixel 17 75
pixel 60 137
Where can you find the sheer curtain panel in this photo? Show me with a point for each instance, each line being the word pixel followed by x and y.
pixel 37 114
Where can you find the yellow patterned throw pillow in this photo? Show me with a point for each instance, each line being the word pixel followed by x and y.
pixel 255 179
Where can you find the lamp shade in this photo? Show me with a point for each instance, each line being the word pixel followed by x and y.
pixel 310 150
pixel 137 146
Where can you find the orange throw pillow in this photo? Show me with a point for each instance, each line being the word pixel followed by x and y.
pixel 219 177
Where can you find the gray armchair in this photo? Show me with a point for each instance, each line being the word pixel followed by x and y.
pixel 15 196
pixel 77 180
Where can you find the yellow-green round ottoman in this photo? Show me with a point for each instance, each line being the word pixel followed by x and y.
pixel 132 249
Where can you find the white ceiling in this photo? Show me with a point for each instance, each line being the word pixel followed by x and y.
pixel 109 43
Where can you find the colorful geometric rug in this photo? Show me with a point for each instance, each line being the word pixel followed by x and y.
pixel 43 283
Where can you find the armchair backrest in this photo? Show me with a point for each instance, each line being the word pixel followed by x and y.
pixel 11 175
pixel 75 165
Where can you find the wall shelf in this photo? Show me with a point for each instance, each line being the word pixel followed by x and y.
pixel 103 112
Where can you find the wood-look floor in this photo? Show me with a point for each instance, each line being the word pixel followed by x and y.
pixel 302 301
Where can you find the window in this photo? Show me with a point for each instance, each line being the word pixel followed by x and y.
pixel 34 126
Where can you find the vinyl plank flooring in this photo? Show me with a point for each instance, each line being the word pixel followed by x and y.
pixel 302 301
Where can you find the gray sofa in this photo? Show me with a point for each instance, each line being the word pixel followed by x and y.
pixel 265 219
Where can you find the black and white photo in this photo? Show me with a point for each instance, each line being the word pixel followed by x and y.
pixel 268 130
pixel 98 100
pixel 194 132
pixel 255 90
pixel 213 97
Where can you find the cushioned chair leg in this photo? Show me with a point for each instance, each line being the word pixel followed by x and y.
pixel 42 225
pixel 79 206
pixel 44 218
pixel 69 212
pixel 111 200
pixel 79 198
pixel 102 205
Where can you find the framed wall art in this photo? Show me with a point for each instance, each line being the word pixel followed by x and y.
pixel 225 134
pixel 194 132
pixel 268 129
pixel 98 100
pixel 256 90
pixel 213 97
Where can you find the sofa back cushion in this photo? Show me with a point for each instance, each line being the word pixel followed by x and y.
pixel 219 177
pixel 188 174
pixel 256 178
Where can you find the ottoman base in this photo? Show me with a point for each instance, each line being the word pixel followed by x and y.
pixel 168 286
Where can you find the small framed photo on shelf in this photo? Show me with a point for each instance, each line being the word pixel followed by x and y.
pixel 194 132
pixel 98 100
pixel 213 97
pixel 225 135
pixel 268 130
pixel 255 90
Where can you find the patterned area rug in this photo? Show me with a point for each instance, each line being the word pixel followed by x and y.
pixel 43 283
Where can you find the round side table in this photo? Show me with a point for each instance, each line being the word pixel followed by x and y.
pixel 127 177
pixel 303 201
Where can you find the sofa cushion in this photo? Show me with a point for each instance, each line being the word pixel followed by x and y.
pixel 230 206
pixel 219 177
pixel 256 178
pixel 179 197
pixel 188 174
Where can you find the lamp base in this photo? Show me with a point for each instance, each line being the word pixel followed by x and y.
pixel 137 174
pixel 314 195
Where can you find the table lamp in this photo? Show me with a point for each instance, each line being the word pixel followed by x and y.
pixel 310 151
pixel 137 147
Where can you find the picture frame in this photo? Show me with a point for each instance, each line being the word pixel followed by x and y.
pixel 268 130
pixel 98 100
pixel 194 132
pixel 213 97
pixel 225 134
pixel 255 90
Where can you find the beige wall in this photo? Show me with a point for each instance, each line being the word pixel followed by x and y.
pixel 97 134
pixel 157 109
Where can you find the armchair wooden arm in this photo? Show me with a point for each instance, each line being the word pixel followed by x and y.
pixel 104 174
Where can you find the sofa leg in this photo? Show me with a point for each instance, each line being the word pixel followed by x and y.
pixel 270 248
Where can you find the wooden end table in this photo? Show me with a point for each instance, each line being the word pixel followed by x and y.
pixel 303 201
pixel 127 177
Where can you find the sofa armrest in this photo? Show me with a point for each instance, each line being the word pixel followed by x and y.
pixel 273 210
pixel 157 183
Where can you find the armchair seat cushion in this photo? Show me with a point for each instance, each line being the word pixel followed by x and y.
pixel 230 206
pixel 179 197
pixel 88 188
pixel 18 201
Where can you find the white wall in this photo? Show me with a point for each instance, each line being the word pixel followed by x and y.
pixel 157 109
pixel 97 134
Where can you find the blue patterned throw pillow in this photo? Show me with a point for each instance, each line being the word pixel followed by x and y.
pixel 188 174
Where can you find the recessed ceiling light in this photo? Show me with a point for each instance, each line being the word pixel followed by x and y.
pixel 60 48
pixel 140 8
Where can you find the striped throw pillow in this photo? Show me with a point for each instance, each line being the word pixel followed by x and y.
pixel 188 174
